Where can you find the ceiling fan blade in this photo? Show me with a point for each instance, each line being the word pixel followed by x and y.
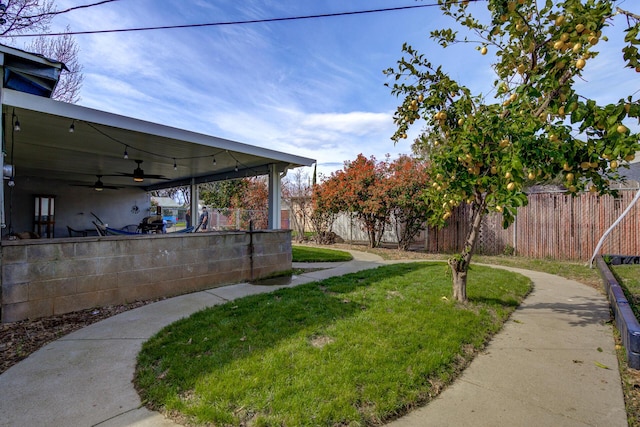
pixel 108 187
pixel 130 175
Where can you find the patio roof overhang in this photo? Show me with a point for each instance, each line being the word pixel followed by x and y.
pixel 44 147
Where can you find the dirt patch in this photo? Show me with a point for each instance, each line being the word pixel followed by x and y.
pixel 321 341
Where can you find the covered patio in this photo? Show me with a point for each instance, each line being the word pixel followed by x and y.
pixel 64 162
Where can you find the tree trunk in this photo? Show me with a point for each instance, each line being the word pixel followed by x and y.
pixel 460 264
pixel 459 285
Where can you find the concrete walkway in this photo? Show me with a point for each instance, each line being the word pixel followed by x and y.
pixel 553 365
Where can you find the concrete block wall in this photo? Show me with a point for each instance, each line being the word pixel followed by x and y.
pixel 56 276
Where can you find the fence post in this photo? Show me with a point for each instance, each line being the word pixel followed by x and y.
pixel 515 235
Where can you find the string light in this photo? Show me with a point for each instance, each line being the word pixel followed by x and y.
pixel 72 128
pixel 141 150
pixel 16 124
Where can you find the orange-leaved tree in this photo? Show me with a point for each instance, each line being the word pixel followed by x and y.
pixel 482 151
pixel 359 188
pixel 407 178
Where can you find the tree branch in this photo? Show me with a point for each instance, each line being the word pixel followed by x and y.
pixel 629 14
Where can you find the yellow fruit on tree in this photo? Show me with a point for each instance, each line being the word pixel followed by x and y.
pixel 460 121
pixel 569 177
pixel 521 68
pixel 613 165
pixel 580 63
pixel 622 129
pixel 559 20
pixel 499 208
pixel 484 50
pixel 531 176
pixel 567 167
pixel 446 215
pixel 508 175
pixel 511 186
pixel 559 45
pixel 630 157
pixel 576 47
pixel 579 28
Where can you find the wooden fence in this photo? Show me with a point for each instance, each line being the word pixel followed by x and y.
pixel 552 225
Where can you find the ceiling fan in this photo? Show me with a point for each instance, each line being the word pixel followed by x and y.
pixel 138 174
pixel 98 185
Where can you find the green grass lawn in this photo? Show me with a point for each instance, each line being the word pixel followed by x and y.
pixel 312 254
pixel 352 350
pixel 629 277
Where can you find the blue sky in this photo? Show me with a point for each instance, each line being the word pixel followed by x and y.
pixel 314 88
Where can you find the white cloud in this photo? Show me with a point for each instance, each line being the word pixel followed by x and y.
pixel 357 123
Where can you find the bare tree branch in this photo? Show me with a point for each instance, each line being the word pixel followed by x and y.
pixel 65 50
pixel 629 14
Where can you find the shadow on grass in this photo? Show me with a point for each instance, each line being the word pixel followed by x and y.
pixel 220 335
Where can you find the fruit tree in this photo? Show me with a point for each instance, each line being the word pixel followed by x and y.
pixel 483 151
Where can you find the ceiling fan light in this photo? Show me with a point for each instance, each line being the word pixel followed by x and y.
pixel 98 186
pixel 138 174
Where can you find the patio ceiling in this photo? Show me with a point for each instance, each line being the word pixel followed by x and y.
pixel 45 148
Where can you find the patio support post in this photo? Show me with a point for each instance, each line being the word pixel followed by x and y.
pixel 193 205
pixel 3 223
pixel 3 146
pixel 274 197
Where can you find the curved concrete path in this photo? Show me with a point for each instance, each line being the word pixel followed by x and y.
pixel 553 364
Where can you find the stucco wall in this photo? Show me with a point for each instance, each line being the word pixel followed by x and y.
pixel 48 277
pixel 73 205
